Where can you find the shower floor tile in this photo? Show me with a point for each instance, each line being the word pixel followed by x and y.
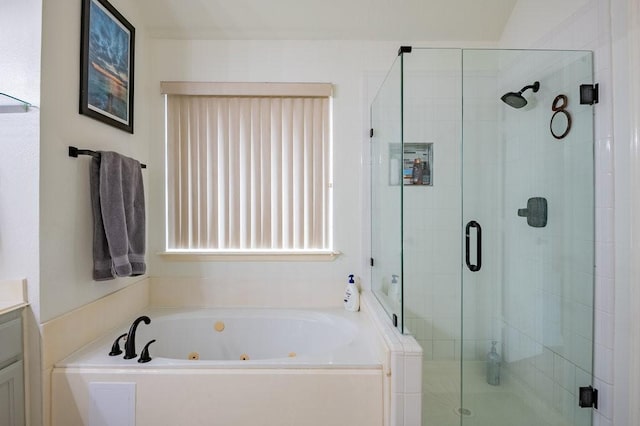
pixel 484 405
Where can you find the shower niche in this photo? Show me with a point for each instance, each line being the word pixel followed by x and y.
pixel 489 112
pixel 411 163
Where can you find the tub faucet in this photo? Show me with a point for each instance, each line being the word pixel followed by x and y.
pixel 130 344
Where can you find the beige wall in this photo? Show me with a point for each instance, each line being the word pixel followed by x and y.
pixel 65 209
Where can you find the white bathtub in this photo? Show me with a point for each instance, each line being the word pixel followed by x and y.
pixel 273 338
pixel 304 367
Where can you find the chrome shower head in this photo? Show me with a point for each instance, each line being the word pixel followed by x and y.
pixel 515 99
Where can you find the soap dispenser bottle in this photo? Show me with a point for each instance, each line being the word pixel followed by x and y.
pixel 394 288
pixel 351 296
pixel 493 365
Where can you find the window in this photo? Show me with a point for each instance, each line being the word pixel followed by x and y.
pixel 248 167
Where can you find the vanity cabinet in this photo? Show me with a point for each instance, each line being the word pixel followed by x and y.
pixel 11 370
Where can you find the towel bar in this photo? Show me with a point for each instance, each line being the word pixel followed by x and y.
pixel 74 152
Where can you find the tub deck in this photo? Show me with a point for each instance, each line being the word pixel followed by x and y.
pixel 343 386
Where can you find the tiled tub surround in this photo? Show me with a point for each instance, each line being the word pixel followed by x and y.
pixel 375 370
pixel 403 392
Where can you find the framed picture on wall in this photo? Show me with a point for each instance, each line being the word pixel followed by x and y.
pixel 106 65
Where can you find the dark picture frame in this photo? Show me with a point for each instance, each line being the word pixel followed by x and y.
pixel 106 65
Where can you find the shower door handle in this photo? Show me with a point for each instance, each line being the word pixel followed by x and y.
pixel 467 236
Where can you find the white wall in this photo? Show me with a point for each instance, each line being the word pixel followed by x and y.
pixel 65 209
pixel 532 20
pixel 19 139
pixel 625 42
pixel 342 63
pixel 20 22
pixel 20 65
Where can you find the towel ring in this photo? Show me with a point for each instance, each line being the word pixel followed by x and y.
pixel 560 123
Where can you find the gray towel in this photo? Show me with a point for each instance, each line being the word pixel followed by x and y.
pixel 102 265
pixel 117 197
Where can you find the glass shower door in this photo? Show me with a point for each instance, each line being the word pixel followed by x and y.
pixel 528 238
pixel 386 194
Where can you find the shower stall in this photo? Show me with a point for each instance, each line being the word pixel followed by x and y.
pixel 482 240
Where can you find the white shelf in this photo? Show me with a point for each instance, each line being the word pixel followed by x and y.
pixel 9 103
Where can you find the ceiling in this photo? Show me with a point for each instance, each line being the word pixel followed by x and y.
pixel 423 20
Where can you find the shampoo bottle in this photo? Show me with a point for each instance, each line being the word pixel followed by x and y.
pixel 493 366
pixel 416 172
pixel 351 296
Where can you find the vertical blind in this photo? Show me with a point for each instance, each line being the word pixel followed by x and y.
pixel 248 172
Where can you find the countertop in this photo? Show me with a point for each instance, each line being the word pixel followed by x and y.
pixel 6 307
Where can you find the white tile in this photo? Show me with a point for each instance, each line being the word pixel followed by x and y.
pixel 600 420
pixel 397 372
pixel 412 374
pixel 582 351
pixel 605 292
pixel 512 345
pixel 427 349
pixel 603 363
pixel 582 320
pixel 604 190
pixel 564 373
pixel 443 350
pixel 444 327
pixel 410 346
pixel 112 310
pixel 604 328
pixel 604 155
pixel 545 362
pixel 413 409
pixel 583 416
pixel 564 403
pixel 604 225
pixel 468 350
pixel 397 409
pixel 544 387
pixel 605 392
pixel 583 378
pixel 605 260
pixel 427 328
